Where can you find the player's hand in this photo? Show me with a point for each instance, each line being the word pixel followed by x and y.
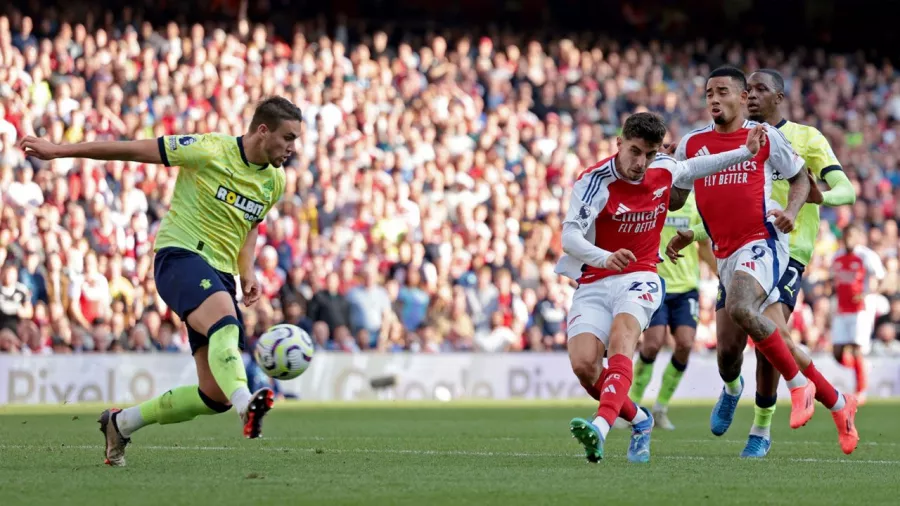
pixel 783 221
pixel 251 288
pixel 756 138
pixel 669 149
pixel 39 148
pixel 815 194
pixel 619 260
pixel 682 240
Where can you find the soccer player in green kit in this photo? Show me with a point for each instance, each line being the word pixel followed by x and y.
pixel 225 187
pixel 678 313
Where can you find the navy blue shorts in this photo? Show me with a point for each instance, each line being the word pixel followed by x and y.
pixel 184 280
pixel 678 310
pixel 789 284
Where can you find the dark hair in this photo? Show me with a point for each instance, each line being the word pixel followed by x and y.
pixel 272 111
pixel 645 125
pixel 777 80
pixel 732 72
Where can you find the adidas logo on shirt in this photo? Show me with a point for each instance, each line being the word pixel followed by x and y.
pixel 622 209
pixel 702 152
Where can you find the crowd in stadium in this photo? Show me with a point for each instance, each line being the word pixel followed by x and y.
pixel 423 211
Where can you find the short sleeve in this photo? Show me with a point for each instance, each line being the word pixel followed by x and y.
pixel 782 155
pixel 820 158
pixel 589 197
pixel 187 151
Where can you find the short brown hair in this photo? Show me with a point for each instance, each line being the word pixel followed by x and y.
pixel 273 111
pixel 645 125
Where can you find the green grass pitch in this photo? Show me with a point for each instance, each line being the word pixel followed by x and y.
pixel 440 454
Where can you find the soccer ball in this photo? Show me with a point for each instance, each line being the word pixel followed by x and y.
pixel 284 351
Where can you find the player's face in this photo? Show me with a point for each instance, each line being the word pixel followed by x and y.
pixel 853 239
pixel 762 99
pixel 634 157
pixel 279 144
pixel 724 99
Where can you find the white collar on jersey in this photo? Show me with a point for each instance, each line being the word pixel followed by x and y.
pixel 615 171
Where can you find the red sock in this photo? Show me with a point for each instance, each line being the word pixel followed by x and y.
pixel 629 410
pixel 862 377
pixel 615 389
pixel 774 349
pixel 594 390
pixel 825 391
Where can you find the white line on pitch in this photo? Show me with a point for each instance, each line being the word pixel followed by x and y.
pixel 462 453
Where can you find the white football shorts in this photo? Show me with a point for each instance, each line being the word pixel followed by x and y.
pixel 766 260
pixel 594 305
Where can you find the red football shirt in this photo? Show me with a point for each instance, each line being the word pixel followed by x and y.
pixel 629 214
pixel 734 202
pixel 851 277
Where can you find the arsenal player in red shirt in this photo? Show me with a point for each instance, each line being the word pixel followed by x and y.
pixel 611 238
pixel 857 270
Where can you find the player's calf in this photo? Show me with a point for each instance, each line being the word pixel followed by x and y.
pixel 744 299
pixel 614 392
pixel 585 355
pixel 643 371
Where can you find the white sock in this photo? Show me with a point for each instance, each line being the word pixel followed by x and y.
pixel 639 417
pixel 797 381
pixel 240 399
pixel 839 405
pixel 601 424
pixel 763 432
pixel 129 420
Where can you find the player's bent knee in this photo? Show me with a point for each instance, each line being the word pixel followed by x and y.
pixel 585 369
pixel 216 307
pixel 740 313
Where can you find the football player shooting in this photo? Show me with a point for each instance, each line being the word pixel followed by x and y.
pixel 225 187
pixel 611 239
pixel 679 314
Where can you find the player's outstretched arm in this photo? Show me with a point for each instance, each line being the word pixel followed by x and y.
pixel 695 168
pixel 145 151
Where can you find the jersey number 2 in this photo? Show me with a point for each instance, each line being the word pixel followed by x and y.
pixel 638 286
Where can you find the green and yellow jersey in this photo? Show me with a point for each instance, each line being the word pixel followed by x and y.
pixel 219 196
pixel 685 275
pixel 813 147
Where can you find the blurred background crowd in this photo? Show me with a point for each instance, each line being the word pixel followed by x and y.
pixel 423 211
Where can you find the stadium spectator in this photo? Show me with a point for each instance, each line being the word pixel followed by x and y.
pixel 439 164
pixel 15 300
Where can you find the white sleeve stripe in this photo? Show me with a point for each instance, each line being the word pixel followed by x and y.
pixel 597 179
